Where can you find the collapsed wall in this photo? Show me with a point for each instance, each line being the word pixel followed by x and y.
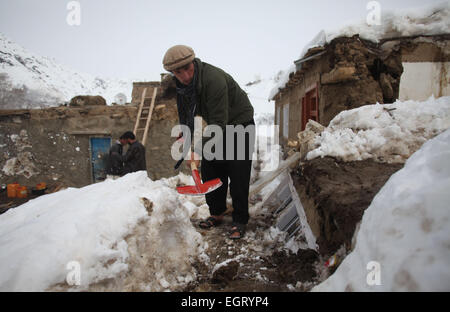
pixel 359 74
pixel 345 164
pixel 335 195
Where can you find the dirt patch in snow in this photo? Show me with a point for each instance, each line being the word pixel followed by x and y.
pixel 254 263
pixel 335 194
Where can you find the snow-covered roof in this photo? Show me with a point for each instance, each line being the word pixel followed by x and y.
pixel 426 20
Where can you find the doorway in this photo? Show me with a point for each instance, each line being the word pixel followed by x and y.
pixel 99 148
pixel 310 105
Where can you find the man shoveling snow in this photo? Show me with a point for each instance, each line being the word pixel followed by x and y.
pixel 208 91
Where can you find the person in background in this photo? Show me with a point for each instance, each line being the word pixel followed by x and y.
pixel 134 158
pixel 114 164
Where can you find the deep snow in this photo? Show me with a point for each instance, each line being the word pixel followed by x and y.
pixel 403 243
pixel 384 132
pixel 89 225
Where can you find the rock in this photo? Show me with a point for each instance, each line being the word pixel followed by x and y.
pixel 314 126
pixel 339 74
pixel 225 273
pixel 148 204
pixel 160 106
pixel 306 137
pixel 292 143
pixel 168 86
pixel 394 64
pixel 87 100
pixel 386 87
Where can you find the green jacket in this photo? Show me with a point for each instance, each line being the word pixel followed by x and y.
pixel 222 101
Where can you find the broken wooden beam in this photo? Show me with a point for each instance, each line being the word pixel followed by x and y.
pixel 260 184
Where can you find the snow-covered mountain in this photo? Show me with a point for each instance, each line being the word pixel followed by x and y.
pixel 28 80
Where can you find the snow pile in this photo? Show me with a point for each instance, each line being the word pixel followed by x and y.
pixel 404 237
pixel 387 133
pixel 132 230
pixel 427 20
pixel 28 80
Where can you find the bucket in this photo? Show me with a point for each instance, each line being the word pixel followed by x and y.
pixel 12 190
pixel 21 192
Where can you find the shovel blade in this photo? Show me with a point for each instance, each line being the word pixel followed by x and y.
pixel 202 189
pixel 188 190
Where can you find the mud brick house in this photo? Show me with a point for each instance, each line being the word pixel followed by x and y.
pixel 65 145
pixel 349 72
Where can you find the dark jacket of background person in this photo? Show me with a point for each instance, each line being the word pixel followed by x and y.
pixel 134 158
pixel 114 164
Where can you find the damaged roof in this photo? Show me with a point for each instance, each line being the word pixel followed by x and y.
pixel 422 21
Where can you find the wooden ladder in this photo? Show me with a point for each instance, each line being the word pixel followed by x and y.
pixel 144 116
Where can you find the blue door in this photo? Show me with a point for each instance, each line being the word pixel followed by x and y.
pixel 99 153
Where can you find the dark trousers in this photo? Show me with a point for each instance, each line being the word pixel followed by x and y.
pixel 238 171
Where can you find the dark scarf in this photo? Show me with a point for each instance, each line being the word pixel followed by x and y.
pixel 187 101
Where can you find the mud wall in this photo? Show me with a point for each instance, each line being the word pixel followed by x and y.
pixel 335 195
pixel 352 72
pixel 138 88
pixel 349 73
pixel 357 77
pixel 52 145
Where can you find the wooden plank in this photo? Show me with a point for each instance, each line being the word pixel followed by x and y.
pixel 260 184
pixel 90 132
pixel 140 109
pixel 144 139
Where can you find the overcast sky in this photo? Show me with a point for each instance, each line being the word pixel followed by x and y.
pixel 128 38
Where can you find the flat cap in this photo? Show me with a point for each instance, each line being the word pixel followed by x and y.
pixel 178 56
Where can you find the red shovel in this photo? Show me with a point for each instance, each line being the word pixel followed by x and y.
pixel 199 188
